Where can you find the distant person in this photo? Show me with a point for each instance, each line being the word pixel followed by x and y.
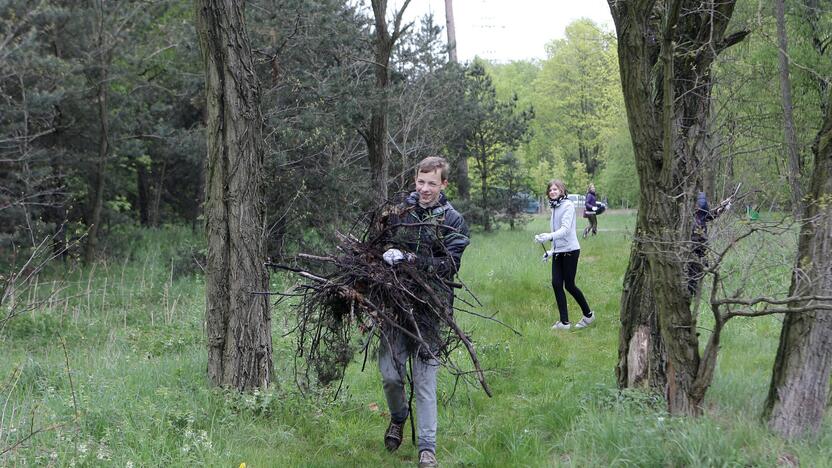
pixel 702 215
pixel 590 205
pixel 564 254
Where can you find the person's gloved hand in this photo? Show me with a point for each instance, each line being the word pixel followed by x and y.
pixel 547 255
pixel 728 205
pixel 393 256
pixel 543 237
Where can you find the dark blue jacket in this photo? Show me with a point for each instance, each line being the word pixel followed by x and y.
pixel 702 214
pixel 437 235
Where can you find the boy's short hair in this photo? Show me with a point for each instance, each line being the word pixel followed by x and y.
pixel 433 163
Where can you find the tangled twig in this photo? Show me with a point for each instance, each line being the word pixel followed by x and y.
pixel 345 300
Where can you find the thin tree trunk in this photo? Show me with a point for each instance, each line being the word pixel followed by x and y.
pixel 451 30
pixel 377 145
pixel 142 190
pixel 793 173
pixel 463 184
pixel 799 390
pixel 158 186
pixel 820 43
pixel 99 177
pixel 238 322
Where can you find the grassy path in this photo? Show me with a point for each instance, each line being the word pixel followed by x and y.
pixel 138 362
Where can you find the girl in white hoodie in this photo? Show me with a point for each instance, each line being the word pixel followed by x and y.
pixel 565 252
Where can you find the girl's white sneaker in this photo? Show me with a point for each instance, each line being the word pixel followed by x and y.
pixel 561 326
pixel 585 321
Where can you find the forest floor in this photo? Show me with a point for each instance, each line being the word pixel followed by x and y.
pixel 129 332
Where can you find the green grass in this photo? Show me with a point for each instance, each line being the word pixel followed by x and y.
pixel 133 333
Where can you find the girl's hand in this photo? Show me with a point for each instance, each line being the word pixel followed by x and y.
pixel 543 237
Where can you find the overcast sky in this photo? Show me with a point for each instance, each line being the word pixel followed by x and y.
pixel 504 30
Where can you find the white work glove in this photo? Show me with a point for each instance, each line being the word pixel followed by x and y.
pixel 393 256
pixel 547 256
pixel 543 237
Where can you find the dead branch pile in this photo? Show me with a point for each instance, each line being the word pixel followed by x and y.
pixel 346 300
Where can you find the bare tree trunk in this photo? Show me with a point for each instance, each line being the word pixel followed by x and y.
pixel 793 173
pixel 486 213
pixel 668 135
pixel 157 187
pixel 799 390
pixel 143 193
pixel 238 321
pixel 463 185
pixel 451 30
pixel 99 176
pixel 377 146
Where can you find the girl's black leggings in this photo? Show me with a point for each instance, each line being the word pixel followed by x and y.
pixel 564 267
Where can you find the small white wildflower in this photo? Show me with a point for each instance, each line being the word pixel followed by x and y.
pixel 82 448
pixel 129 464
pixel 103 453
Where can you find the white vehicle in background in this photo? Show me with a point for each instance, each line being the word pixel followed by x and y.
pixel 577 200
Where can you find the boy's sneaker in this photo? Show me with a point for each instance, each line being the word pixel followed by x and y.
pixel 561 326
pixel 427 459
pixel 393 435
pixel 585 321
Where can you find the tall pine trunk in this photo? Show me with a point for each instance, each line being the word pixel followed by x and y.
pixel 799 390
pixel 238 321
pixel 450 27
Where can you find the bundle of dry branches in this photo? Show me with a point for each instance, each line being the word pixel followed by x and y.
pixel 346 300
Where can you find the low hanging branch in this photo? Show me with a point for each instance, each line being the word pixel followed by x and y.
pixel 346 300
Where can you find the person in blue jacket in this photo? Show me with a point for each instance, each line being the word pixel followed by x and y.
pixel 702 215
pixel 589 211
pixel 564 254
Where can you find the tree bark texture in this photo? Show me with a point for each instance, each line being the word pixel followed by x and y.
pixel 641 353
pixel 666 50
pixel 788 118
pixel 799 389
pixel 238 322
